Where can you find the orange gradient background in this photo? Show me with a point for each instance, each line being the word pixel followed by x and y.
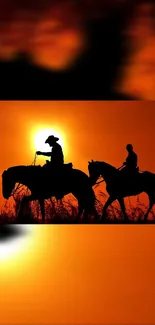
pixel 80 274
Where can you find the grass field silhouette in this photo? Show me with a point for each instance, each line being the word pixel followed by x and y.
pixel 65 211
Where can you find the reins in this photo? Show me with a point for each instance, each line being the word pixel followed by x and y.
pixel 104 180
pixel 99 182
pixel 34 161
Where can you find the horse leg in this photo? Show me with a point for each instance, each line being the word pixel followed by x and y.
pixel 86 213
pixel 52 203
pixel 60 202
pixel 122 205
pixel 152 202
pixel 90 210
pixel 86 202
pixel 110 200
pixel 20 212
pixel 41 201
pixel 80 209
pixel 86 205
pixel 95 214
pixel 24 201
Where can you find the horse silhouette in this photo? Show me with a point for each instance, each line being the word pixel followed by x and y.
pixel 119 187
pixel 44 184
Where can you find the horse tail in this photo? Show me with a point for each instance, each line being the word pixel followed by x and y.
pixel 92 199
pixel 93 196
pixel 85 187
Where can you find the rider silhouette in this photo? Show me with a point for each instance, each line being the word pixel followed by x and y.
pixel 56 154
pixel 130 165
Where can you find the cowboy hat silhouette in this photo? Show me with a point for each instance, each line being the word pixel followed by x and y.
pixel 51 139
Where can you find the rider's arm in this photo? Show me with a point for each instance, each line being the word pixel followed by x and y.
pixel 44 153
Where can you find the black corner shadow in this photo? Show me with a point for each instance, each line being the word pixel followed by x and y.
pixel 9 232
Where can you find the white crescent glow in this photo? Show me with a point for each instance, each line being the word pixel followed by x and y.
pixel 13 246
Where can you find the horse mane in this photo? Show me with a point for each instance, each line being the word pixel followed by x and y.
pixel 101 163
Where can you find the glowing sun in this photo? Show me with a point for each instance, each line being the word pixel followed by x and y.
pixel 41 136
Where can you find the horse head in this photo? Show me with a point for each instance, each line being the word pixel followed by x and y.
pixel 94 172
pixel 100 168
pixel 8 183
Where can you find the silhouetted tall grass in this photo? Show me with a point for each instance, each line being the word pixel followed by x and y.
pixel 66 210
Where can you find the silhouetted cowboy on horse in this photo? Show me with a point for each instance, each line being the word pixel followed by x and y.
pixel 54 169
pixel 56 154
pixel 57 180
pixel 130 169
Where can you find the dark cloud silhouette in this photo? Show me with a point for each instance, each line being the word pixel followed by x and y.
pixel 73 49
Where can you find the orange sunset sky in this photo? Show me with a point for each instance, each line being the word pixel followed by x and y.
pixel 88 130
pixel 80 274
